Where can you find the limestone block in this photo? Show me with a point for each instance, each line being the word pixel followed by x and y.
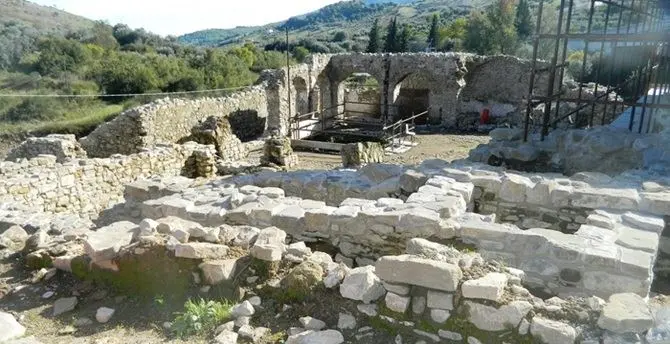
pixel 397 303
pixel 606 198
pixel 201 251
pixel 217 271
pixel 440 300
pixel 625 313
pixel 411 181
pixel 414 270
pixel 638 239
pixel 488 182
pixel 290 219
pixel 552 332
pixel 318 220
pixel 514 188
pixel 604 284
pixel 493 319
pixel 399 289
pixel 378 173
pixel 490 287
pixel 321 337
pixel 270 245
pixel 655 203
pixel 105 243
pixel 10 328
pixel 362 284
pixel 648 223
pixel 419 222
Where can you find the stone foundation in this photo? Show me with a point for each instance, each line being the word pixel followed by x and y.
pixel 614 250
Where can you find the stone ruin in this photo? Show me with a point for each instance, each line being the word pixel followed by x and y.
pixel 557 241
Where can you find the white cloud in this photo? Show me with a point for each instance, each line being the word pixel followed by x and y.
pixel 179 17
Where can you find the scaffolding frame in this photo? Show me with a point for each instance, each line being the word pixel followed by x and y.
pixel 621 24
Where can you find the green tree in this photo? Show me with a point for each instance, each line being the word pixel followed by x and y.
pixel 245 54
pixel 501 15
pixel 405 37
pixel 523 21
pixel 391 45
pixel 125 73
pixel 477 37
pixel 300 53
pixel 434 34
pixel 58 55
pixel 224 70
pixel 373 44
pixel 340 36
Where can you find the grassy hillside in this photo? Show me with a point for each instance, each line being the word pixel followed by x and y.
pixel 41 18
pixel 352 17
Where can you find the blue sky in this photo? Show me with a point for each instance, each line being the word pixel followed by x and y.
pixel 170 17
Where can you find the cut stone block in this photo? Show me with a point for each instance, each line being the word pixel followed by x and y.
pixel 626 313
pixel 105 243
pixel 414 270
pixel 490 287
pixel 491 319
pixel 552 332
pixel 397 303
pixel 440 300
pixel 362 284
pixel 201 251
pixel 218 271
pixel 270 245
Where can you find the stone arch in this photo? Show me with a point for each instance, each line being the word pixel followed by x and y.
pixel 410 95
pixel 301 96
pixel 362 96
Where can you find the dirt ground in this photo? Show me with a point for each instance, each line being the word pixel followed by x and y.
pixel 430 146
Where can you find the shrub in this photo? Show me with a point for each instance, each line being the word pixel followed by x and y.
pixel 200 318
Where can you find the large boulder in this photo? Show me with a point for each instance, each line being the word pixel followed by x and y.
pixel 626 313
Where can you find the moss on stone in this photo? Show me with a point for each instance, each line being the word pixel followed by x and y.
pixel 302 280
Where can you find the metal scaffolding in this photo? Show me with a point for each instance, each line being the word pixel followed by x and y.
pixel 616 48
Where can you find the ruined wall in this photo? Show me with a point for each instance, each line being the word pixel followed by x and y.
pixel 600 149
pixel 85 186
pixel 168 121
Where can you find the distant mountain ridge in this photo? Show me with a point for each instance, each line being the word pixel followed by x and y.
pixel 353 17
pixel 41 18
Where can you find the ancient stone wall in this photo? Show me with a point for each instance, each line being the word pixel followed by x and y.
pixel 85 186
pixel 372 212
pixel 170 120
pixel 600 149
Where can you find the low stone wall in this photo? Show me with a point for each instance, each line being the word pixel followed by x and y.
pixel 85 186
pixel 614 251
pixel 168 121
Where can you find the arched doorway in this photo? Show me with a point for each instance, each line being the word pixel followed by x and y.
pixel 361 94
pixel 411 96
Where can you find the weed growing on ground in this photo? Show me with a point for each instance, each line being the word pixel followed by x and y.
pixel 201 317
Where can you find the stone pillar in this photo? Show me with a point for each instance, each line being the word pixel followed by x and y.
pixel 201 164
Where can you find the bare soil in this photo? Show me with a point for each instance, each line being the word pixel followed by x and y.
pixel 430 146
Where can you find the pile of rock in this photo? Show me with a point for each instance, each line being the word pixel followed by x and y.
pixel 201 164
pixel 278 152
pixel 358 154
pixel 217 131
pixel 63 147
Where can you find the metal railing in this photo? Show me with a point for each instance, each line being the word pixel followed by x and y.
pixel 628 67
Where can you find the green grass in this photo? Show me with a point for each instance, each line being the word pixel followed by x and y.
pixel 78 121
pixel 201 318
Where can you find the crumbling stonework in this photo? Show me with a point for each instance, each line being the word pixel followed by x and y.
pixel 600 149
pixel 278 152
pixel 217 131
pixel 201 164
pixel 358 154
pixel 63 147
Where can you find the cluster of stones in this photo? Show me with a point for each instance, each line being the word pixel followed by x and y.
pixel 85 186
pixel 217 131
pixel 63 147
pixel 361 153
pixel 601 149
pixel 202 164
pixel 278 152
